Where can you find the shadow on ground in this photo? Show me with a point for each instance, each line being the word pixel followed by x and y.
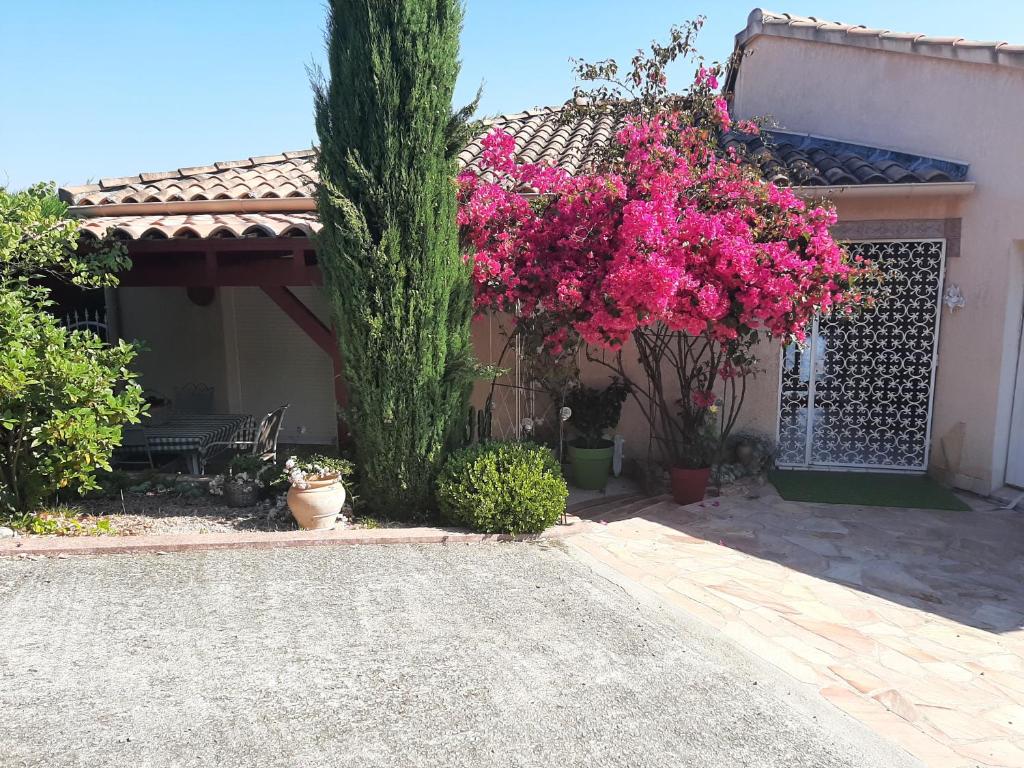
pixel 965 566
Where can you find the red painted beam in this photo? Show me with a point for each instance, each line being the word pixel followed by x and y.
pixel 248 245
pixel 196 271
pixel 303 317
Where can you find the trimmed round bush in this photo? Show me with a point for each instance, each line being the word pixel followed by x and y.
pixel 502 488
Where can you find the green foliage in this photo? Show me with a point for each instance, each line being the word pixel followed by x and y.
pixel 502 488
pixel 399 288
pixel 64 396
pixel 595 410
pixel 703 444
pixel 110 483
pixel 57 521
pixel 37 239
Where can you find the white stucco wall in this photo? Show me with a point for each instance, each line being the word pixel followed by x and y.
pixel 271 361
pixel 184 342
pixel 253 355
pixel 945 109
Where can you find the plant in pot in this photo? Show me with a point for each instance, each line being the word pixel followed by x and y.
pixel 317 491
pixel 695 454
pixel 592 412
pixel 240 485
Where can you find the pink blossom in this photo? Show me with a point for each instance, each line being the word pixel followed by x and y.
pixel 703 399
pixel 670 231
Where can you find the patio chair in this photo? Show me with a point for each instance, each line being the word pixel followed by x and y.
pixel 193 398
pixel 261 441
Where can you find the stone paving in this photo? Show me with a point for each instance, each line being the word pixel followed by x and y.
pixel 912 621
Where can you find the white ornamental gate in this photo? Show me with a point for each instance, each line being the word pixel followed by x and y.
pixel 858 394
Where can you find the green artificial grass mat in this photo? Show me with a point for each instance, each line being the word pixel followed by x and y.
pixel 868 489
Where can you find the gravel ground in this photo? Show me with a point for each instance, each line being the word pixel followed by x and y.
pixel 485 655
pixel 167 513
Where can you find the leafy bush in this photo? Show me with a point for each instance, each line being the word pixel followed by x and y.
pixel 64 396
pixel 502 488
pixel 595 410
pixel 246 464
pixel 57 521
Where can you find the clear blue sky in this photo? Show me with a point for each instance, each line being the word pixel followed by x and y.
pixel 112 87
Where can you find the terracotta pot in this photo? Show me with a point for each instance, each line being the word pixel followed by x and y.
pixel 317 506
pixel 689 485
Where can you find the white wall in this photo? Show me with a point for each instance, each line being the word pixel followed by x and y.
pixel 253 355
pixel 185 342
pixel 271 361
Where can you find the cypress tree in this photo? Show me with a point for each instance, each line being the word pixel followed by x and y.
pixel 399 288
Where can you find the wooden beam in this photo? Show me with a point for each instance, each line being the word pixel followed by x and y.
pixel 303 317
pixel 196 270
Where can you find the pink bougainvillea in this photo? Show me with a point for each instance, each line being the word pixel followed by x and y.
pixel 671 232
pixel 674 234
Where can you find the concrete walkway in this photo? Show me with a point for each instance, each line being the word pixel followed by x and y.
pixel 393 656
pixel 911 621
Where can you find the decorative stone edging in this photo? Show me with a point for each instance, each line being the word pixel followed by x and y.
pixel 52 546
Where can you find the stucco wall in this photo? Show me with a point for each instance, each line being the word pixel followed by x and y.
pixel 253 355
pixel 923 105
pixel 185 342
pixel 271 361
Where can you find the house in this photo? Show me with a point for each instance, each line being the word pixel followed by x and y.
pixel 915 139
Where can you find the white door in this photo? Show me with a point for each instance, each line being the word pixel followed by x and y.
pixel 859 393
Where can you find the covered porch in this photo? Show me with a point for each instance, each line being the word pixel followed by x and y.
pixel 232 320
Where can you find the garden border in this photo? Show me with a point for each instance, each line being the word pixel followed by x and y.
pixel 63 546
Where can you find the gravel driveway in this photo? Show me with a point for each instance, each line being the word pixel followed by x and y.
pixel 492 655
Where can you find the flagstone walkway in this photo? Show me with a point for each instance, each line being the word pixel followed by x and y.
pixel 911 621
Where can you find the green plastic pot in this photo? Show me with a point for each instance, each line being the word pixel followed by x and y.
pixel 591 466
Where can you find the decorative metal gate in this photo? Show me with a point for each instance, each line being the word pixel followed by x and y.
pixel 859 393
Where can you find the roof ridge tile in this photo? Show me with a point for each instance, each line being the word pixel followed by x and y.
pixel 761 21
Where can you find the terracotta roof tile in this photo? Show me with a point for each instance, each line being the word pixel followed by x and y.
pixel 784 158
pixel 203 225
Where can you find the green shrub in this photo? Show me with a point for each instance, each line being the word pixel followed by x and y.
pixel 502 488
pixel 57 521
pixel 64 396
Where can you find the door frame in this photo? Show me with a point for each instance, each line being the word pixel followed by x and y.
pixel 931 381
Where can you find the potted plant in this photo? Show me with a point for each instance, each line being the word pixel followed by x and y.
pixel 317 492
pixel 242 480
pixel 592 411
pixel 694 456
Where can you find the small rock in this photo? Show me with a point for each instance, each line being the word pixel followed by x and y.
pixel 6 533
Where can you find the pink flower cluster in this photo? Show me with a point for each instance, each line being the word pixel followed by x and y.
pixel 673 232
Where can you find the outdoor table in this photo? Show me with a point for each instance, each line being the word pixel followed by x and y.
pixel 191 434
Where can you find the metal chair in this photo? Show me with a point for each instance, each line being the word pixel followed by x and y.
pixel 261 441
